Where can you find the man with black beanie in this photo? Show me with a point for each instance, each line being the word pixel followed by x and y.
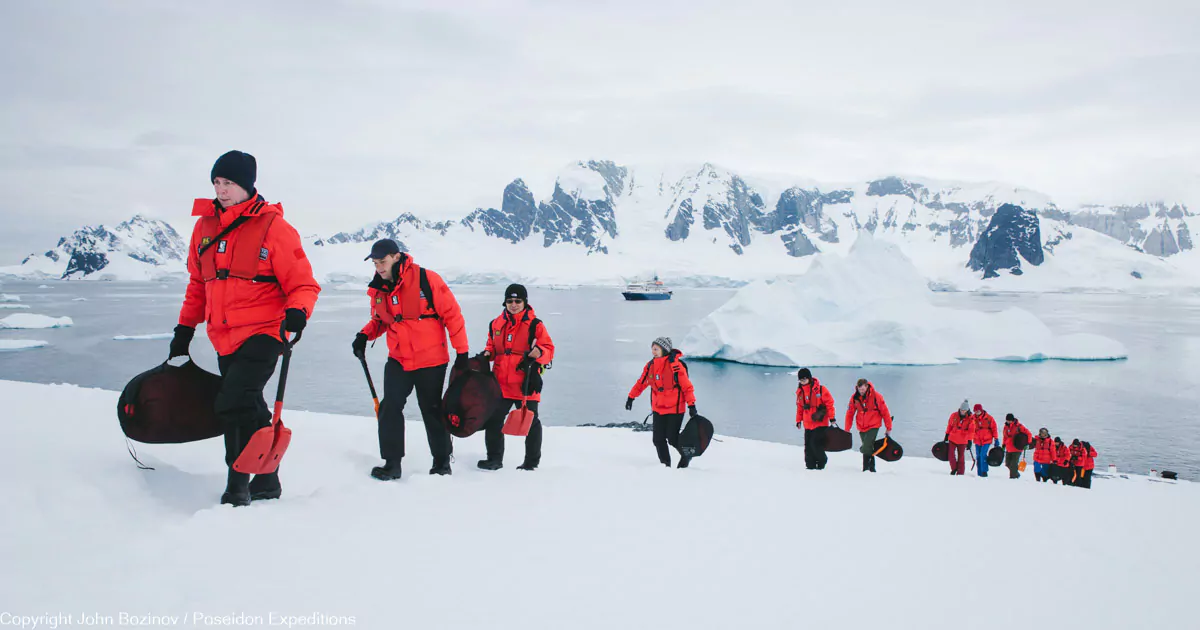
pixel 250 280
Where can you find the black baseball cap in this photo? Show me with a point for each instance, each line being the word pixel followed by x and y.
pixel 382 248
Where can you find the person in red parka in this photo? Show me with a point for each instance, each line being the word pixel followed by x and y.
pixel 985 436
pixel 415 309
pixel 248 280
pixel 960 430
pixel 1043 455
pixel 814 411
pixel 1062 462
pixel 670 391
pixel 521 348
pixel 868 407
pixel 1085 462
pixel 1012 454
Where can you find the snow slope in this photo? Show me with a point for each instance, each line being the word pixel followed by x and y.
pixel 873 307
pixel 601 537
pixel 25 321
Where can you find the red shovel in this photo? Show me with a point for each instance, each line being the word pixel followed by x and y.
pixel 520 419
pixel 268 444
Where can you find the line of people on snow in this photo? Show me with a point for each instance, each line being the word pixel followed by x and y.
pixel 252 284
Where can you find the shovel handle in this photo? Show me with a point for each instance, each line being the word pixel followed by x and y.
pixel 370 384
pixel 283 370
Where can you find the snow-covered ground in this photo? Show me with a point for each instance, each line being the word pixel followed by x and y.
pixel 26 321
pixel 873 307
pixel 601 536
pixel 149 337
pixel 12 345
pixel 5 297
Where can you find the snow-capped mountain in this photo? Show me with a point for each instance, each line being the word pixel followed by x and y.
pixel 706 225
pixel 1154 228
pixel 139 248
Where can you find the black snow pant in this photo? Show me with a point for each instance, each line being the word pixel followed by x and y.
pixel 1012 460
pixel 815 457
pixel 1085 479
pixel 493 436
pixel 240 403
pixel 666 431
pixel 398 383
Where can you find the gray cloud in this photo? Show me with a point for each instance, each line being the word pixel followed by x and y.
pixel 361 109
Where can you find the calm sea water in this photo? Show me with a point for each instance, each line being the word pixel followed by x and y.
pixel 1139 413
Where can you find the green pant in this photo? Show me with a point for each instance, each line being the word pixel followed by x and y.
pixel 868 441
pixel 1012 460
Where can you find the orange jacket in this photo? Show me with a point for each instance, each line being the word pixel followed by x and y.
pixel 1088 457
pixel 508 342
pixel 985 429
pixel 249 278
pixel 961 428
pixel 1011 429
pixel 416 333
pixel 1043 450
pixel 1062 455
pixel 670 388
pixel 811 398
pixel 870 410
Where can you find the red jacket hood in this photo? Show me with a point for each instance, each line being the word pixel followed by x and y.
pixel 256 206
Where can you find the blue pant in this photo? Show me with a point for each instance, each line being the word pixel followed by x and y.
pixel 981 451
pixel 1041 469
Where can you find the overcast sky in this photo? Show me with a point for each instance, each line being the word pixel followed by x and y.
pixel 361 110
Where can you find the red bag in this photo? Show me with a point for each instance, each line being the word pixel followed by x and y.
pixel 518 421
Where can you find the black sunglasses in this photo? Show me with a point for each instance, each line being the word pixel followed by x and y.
pixel 514 301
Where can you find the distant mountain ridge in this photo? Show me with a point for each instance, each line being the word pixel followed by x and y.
pixel 604 209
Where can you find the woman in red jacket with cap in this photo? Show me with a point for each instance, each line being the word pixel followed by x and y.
pixel 960 429
pixel 1043 455
pixel 519 345
pixel 985 437
pixel 670 391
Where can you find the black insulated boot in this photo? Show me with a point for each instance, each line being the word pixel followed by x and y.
pixel 265 487
pixel 388 471
pixel 441 468
pixel 490 464
pixel 237 489
pixel 684 461
pixel 528 465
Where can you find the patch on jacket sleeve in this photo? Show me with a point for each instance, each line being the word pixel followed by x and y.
pixel 299 253
pixel 262 253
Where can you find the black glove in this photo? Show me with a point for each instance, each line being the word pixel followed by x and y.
pixel 360 345
pixel 947 438
pixel 691 411
pixel 181 342
pixel 460 361
pixel 628 404
pixel 294 320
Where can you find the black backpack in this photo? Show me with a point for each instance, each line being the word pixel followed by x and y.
pixel 471 399
pixel 995 456
pixel 695 437
pixel 171 405
pixel 941 451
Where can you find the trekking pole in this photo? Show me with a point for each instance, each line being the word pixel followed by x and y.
pixel 370 384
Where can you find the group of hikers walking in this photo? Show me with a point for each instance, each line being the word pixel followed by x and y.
pixel 252 284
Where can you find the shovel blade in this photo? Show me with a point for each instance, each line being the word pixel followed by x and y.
pixel 518 422
pixel 265 450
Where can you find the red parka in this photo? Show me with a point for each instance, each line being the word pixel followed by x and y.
pixel 1062 454
pixel 1043 450
pixel 870 410
pixel 961 428
pixel 985 429
pixel 508 343
pixel 416 331
pixel 670 388
pixel 249 277
pixel 1011 430
pixel 811 397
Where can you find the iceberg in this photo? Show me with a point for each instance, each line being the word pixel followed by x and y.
pixel 873 307
pixel 12 345
pixel 25 321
